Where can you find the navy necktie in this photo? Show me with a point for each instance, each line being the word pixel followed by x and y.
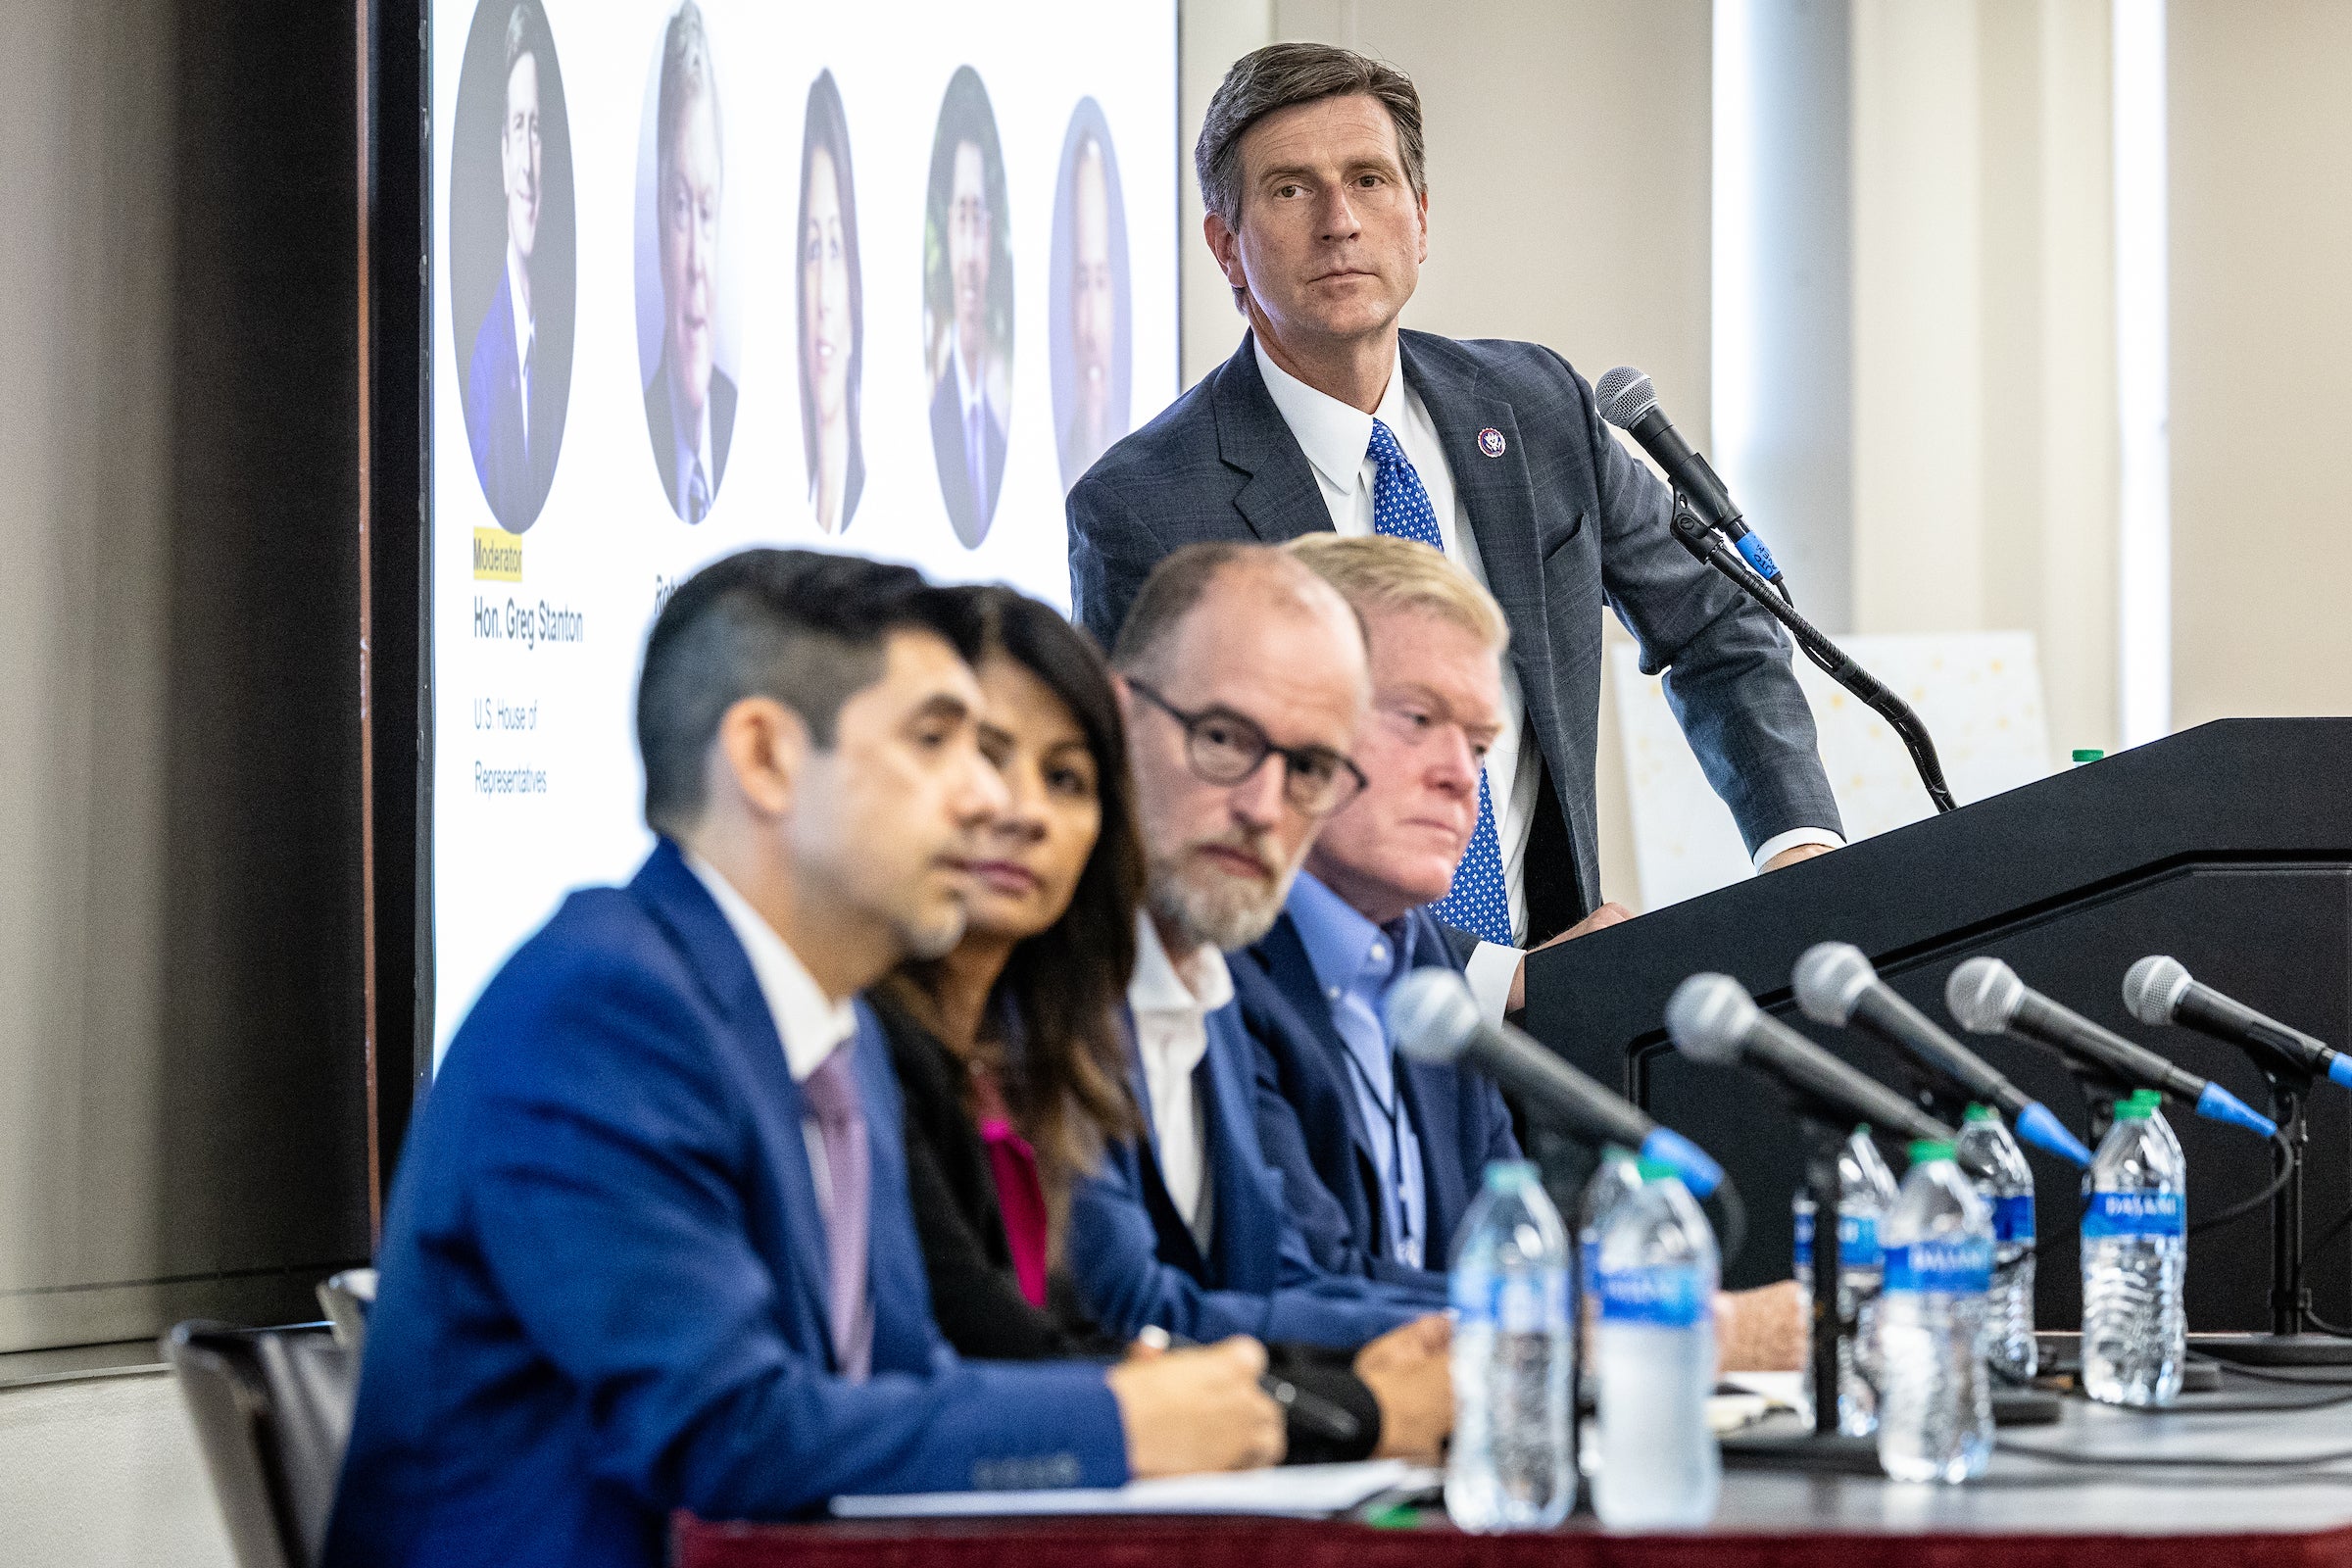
pixel 698 494
pixel 1480 899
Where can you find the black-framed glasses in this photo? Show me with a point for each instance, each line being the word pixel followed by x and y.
pixel 1224 747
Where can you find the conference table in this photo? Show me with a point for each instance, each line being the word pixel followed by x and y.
pixel 2158 1502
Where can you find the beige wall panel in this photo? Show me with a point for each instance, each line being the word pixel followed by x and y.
pixel 84 317
pixel 2260 142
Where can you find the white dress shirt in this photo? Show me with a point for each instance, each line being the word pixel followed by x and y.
pixel 812 1027
pixel 518 291
pixel 1171 1003
pixel 1336 438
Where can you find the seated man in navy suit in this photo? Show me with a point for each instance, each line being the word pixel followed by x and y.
pixel 1381 1155
pixel 649 1246
pixel 1241 682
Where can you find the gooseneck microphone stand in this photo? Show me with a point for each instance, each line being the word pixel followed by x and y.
pixel 1824 1447
pixel 1709 547
pixel 2291 1341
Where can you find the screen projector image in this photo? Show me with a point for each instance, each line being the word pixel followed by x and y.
pixel 723 274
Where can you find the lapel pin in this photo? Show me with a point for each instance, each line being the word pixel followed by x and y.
pixel 1489 441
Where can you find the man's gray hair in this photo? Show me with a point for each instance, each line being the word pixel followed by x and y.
pixel 1284 75
pixel 686 77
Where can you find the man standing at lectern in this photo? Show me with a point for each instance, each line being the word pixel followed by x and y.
pixel 1310 164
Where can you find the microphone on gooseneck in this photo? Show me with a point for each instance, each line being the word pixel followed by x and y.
pixel 1709 1017
pixel 1628 402
pixel 1988 997
pixel 1835 985
pixel 1433 1017
pixel 2158 990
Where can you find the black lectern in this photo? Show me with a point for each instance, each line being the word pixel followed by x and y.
pixel 2229 845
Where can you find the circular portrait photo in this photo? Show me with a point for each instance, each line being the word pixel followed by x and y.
pixel 967 305
pixel 686 304
pixel 1089 334
pixel 832 313
pixel 511 272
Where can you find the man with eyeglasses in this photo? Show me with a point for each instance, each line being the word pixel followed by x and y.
pixel 1242 680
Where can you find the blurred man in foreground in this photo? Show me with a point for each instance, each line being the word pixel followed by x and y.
pixel 649 1246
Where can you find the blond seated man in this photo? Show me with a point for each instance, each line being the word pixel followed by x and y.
pixel 1381 1155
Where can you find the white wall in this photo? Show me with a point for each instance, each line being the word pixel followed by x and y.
pixel 105 1474
pixel 1985 434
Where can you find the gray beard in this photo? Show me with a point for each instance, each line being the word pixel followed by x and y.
pixel 1223 922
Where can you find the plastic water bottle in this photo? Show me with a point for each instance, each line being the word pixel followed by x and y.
pixel 1986 1145
pixel 1512 1465
pixel 2134 1263
pixel 1935 1399
pixel 1661 1468
pixel 1618 1178
pixel 1867 1194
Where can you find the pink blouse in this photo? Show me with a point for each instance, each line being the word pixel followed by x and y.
pixel 1020 1195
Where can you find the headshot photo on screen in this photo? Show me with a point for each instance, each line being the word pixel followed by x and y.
pixel 832 313
pixel 967 305
pixel 511 271
pixel 684 336
pixel 1089 337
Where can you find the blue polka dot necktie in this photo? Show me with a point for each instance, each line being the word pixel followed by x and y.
pixel 1478 901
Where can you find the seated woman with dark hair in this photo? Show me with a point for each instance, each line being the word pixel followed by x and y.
pixel 1012 1059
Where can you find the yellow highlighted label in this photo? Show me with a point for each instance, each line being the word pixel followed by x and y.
pixel 497 556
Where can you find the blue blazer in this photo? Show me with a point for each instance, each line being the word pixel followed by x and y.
pixel 1135 1261
pixel 603 1289
pixel 1566 521
pixel 1312 1127
pixel 515 475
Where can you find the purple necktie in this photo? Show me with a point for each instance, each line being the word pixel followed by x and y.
pixel 831 1095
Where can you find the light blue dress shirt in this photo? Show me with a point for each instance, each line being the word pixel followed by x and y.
pixel 1355 962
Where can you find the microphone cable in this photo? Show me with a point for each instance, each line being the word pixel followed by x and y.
pixel 2239 1210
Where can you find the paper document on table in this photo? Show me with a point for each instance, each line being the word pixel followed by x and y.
pixel 1298 1491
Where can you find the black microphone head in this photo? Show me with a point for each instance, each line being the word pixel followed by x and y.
pixel 1829 979
pixel 2152 989
pixel 1431 1015
pixel 1624 395
pixel 1708 1018
pixel 1983 994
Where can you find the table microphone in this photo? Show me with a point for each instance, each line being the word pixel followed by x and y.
pixel 2158 990
pixel 1433 1018
pixel 1835 985
pixel 1628 402
pixel 1711 1018
pixel 1988 999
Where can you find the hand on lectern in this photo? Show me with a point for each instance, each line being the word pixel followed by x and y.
pixel 1795 852
pixel 1607 914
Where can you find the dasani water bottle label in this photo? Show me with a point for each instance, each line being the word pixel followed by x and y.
pixel 2013 1218
pixel 2141 1213
pixel 1958 1266
pixel 1669 1297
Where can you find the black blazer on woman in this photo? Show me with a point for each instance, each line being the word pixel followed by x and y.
pixel 975 1295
